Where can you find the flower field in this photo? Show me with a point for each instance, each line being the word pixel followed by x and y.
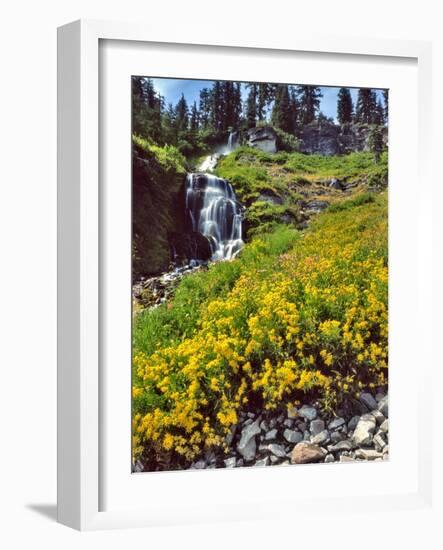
pixel 296 314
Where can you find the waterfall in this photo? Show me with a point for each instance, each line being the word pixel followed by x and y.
pixel 230 141
pixel 213 210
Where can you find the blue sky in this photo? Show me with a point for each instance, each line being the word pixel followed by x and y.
pixel 172 88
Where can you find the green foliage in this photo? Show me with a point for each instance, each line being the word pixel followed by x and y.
pixel 171 323
pixel 358 200
pixel 286 142
pixel 345 107
pixel 158 174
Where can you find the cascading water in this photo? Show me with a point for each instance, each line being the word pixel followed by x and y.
pixel 213 211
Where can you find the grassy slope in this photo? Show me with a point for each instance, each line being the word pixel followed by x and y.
pixel 290 177
pixel 334 275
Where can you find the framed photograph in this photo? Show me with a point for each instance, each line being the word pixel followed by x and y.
pixel 238 230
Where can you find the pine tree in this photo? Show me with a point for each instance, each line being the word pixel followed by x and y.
pixel 251 106
pixel 386 106
pixel 181 115
pixel 205 107
pixel 194 119
pixel 379 113
pixel 282 114
pixel 345 107
pixel 309 102
pixel 366 106
pixel 376 143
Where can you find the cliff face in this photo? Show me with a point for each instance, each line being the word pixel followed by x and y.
pixel 324 138
pixel 156 209
pixel 332 139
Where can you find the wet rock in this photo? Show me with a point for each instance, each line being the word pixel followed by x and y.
pixel 305 452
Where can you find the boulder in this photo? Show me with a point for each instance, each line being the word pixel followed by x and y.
pixel 317 426
pixel 364 431
pixel 264 139
pixel 321 438
pixel 277 450
pixel 305 452
pixel 308 413
pixel 247 445
pixel 368 400
pixel 336 423
pixel 293 436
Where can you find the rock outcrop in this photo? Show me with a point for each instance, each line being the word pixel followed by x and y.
pixel 327 138
pixel 264 139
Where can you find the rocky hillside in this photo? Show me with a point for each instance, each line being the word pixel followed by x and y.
pixel 322 137
pixel 291 187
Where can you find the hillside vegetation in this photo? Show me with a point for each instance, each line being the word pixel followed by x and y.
pixel 276 187
pixel 296 314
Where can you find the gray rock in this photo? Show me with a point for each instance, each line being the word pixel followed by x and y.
pixel 352 424
pixel 277 450
pixel 379 416
pixel 383 406
pixel 293 436
pixel 329 458
pixel 301 425
pixel 264 427
pixel 274 459
pixel 263 138
pixel 368 400
pixel 344 458
pixel 317 426
pixel 379 442
pixel 336 437
pixel 344 445
pixel 251 415
pixel 230 462
pixel 363 433
pixel 368 454
pixel 306 435
pixel 321 438
pixel 262 462
pixel 336 423
pixel 199 465
pixel 288 423
pixel 308 413
pixel 272 434
pixel 379 396
pixel 247 445
pixel 385 426
pixel 304 453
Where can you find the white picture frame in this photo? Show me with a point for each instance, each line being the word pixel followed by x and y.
pixel 81 412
